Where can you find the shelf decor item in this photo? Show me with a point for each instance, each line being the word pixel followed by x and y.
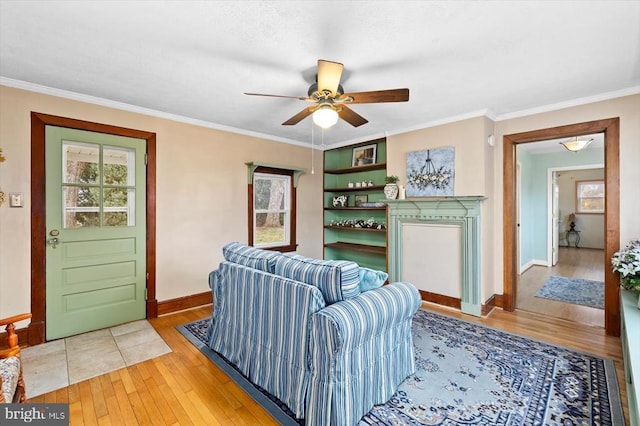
pixel 430 172
pixel 572 221
pixel 391 187
pixel 360 199
pixel 370 223
pixel 364 155
pixel 340 201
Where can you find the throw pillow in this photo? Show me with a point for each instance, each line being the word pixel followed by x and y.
pixel 371 279
pixel 251 257
pixel 336 279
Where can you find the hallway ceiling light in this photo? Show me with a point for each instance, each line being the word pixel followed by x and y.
pixel 575 145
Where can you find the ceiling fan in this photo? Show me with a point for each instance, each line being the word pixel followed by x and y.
pixel 330 101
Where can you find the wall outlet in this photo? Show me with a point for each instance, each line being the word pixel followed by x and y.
pixel 15 199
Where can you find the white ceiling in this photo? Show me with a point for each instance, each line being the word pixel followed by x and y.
pixel 193 60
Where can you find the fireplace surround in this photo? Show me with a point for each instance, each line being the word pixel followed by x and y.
pixel 449 229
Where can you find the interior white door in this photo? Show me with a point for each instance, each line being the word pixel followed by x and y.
pixel 555 219
pixel 518 210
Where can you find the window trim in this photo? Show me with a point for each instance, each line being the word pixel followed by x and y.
pixel 292 246
pixel 578 198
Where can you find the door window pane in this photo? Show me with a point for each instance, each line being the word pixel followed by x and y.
pixel 80 162
pixel 118 206
pixel 98 185
pixel 81 206
pixel 118 166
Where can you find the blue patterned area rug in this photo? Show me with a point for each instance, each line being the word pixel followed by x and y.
pixel 468 374
pixel 573 290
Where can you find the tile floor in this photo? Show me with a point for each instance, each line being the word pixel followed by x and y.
pixel 59 363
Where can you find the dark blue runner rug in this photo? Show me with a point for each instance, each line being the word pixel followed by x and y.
pixel 468 374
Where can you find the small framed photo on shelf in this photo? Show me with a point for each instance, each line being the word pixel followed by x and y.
pixel 364 155
pixel 360 200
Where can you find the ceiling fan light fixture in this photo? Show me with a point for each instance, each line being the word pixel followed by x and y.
pixel 325 116
pixel 575 145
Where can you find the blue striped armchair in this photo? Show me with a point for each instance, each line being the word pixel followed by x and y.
pixel 302 330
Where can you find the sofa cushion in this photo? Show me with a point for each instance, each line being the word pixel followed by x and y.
pixel 9 374
pixel 371 279
pixel 242 254
pixel 337 279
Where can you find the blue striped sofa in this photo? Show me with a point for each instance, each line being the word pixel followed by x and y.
pixel 301 329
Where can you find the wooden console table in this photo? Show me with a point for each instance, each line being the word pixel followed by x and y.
pixel 573 234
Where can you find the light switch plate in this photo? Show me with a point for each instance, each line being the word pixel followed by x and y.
pixel 15 199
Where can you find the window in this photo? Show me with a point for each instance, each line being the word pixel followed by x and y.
pixel 98 187
pixel 590 196
pixel 272 209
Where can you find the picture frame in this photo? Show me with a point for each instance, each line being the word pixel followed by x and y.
pixel 364 155
pixel 360 200
pixel 340 200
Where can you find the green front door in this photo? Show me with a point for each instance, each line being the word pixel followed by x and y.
pixel 96 231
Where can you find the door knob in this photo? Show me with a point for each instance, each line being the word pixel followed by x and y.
pixel 53 242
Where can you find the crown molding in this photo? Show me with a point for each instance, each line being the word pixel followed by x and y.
pixel 66 94
pixel 568 104
pixel 19 84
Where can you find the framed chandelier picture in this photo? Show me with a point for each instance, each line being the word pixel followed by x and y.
pixel 430 173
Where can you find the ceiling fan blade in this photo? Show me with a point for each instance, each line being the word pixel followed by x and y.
pixel 278 96
pixel 393 95
pixel 299 116
pixel 351 117
pixel 329 74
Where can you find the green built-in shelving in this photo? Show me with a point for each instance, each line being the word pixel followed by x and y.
pixel 362 244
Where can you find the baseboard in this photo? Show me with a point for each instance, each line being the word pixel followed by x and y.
pixel 441 299
pixel 498 300
pixel 456 303
pixel 488 306
pixel 154 308
pixel 186 302
pixel 529 264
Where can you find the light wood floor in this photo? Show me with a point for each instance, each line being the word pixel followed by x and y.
pixel 573 262
pixel 184 387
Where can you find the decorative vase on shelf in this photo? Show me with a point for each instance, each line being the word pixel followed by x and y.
pixel 391 191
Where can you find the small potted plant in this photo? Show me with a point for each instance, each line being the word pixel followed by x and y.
pixel 391 187
pixel 626 263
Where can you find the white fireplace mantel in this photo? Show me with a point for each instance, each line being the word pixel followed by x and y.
pixel 459 213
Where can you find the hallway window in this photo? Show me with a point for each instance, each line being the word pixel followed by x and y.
pixel 590 196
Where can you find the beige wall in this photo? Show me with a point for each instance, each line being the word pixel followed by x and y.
pixel 479 166
pixel 201 184
pixel 591 226
pixel 627 108
pixel 201 193
pixel 474 172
